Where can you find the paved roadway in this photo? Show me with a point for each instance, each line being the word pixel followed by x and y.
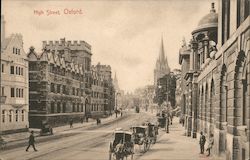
pixel 83 144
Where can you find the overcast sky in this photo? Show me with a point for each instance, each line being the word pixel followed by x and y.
pixel 123 34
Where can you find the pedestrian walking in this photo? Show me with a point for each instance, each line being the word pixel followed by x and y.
pixel 71 123
pixel 183 121
pixel 87 118
pixel 202 142
pixel 211 143
pixel 31 142
pixel 82 120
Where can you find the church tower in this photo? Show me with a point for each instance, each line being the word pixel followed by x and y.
pixel 161 67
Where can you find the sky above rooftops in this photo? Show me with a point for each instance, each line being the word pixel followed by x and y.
pixel 124 34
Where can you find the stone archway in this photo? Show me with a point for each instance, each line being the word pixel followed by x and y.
pixel 212 100
pixel 221 114
pixel 240 96
pixel 206 108
pixel 202 109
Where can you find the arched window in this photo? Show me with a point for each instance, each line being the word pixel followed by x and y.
pixel 64 107
pixel 16 115
pixel 23 115
pixel 16 70
pixel 73 107
pixel 78 109
pixel 52 107
pixel 3 116
pixel 206 102
pixel 82 107
pixel 10 116
pixel 58 107
pixel 17 93
pixel 212 94
pixel 245 100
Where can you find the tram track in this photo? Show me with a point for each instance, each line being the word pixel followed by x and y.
pixel 94 140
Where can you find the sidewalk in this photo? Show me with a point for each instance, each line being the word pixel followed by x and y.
pixel 17 139
pixel 175 146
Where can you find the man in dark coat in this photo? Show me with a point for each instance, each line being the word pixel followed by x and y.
pixel 202 142
pixel 31 142
pixel 71 123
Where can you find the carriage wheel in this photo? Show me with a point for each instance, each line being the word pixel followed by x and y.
pixel 155 140
pixel 133 151
pixel 110 152
pixel 149 143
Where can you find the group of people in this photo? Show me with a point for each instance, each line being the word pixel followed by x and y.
pixel 203 141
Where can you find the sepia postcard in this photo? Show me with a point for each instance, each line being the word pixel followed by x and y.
pixel 125 80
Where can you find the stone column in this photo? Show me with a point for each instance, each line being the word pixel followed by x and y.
pixel 195 109
pixel 194 46
pixel 189 129
pixel 205 45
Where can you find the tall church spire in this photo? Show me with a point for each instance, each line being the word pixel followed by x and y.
pixel 162 53
pixel 161 68
pixel 116 83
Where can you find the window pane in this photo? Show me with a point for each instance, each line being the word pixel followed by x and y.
pixel 12 92
pixel 12 70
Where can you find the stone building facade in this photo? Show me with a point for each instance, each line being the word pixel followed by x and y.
pixel 14 85
pixel 109 89
pixel 59 82
pixel 216 91
pixel 102 99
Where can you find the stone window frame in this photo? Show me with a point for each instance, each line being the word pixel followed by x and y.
pixel 17 115
pixel 23 115
pixel 12 92
pixel 3 116
pixel 2 68
pixel 12 69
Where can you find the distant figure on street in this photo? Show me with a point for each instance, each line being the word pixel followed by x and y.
pixel 211 143
pixel 82 120
pixel 71 123
pixel 116 112
pixel 202 142
pixel 98 121
pixel 183 120
pixel 31 142
pixel 121 114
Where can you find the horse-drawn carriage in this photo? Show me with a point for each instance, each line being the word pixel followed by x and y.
pixel 141 137
pixel 163 121
pixel 152 132
pixel 122 146
pixel 46 129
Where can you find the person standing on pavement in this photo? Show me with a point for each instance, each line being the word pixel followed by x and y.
pixel 71 123
pixel 202 142
pixel 211 143
pixel 82 120
pixel 31 142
